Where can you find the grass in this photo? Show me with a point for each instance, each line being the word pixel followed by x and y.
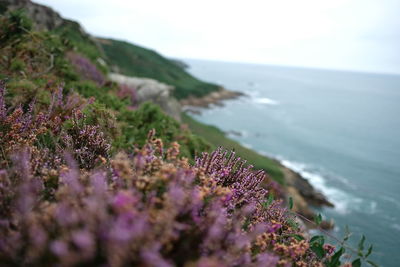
pixel 137 61
pixel 216 138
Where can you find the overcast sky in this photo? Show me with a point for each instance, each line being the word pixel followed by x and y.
pixel 337 34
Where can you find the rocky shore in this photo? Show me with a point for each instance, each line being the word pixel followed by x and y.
pixel 214 98
pixel 305 197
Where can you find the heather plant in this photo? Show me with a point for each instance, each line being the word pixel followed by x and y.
pixel 70 198
pixel 129 93
pixel 87 143
pixel 14 24
pixel 85 68
pixel 149 208
pixel 60 126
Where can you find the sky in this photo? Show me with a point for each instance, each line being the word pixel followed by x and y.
pixel 360 35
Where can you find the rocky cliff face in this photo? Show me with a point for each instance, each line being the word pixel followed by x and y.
pixel 44 17
pixel 153 91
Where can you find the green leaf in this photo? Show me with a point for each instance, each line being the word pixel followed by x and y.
pixel 317 239
pixel 361 244
pixel 372 263
pixel 369 251
pixel 290 203
pixel 335 260
pixel 318 250
pixel 356 263
pixel 347 233
pixel 269 201
pixel 318 219
pixel 292 223
pixel 246 224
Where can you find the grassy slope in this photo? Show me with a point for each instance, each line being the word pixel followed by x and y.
pixel 134 60
pixel 217 138
pixel 25 63
pixel 139 61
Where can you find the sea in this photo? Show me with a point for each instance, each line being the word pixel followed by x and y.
pixel 338 129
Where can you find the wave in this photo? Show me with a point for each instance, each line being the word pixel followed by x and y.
pixel 344 202
pixel 265 100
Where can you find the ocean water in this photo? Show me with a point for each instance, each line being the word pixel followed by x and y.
pixel 340 130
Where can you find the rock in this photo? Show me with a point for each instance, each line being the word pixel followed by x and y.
pixel 214 98
pixel 305 189
pixel 304 196
pixel 312 196
pixel 153 91
pixel 45 18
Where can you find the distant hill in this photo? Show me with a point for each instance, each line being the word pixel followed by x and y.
pixel 134 60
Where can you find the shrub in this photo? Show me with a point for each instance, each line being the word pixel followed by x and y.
pixel 150 209
pixel 85 68
pixel 13 25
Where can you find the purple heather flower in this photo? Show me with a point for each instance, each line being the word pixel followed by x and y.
pixel 267 260
pixel 83 239
pixel 153 258
pixel 98 181
pixel 71 177
pixel 124 200
pixel 177 194
pixel 59 248
pixel 86 68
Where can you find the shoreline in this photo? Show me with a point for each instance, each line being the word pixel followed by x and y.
pixel 213 98
pixel 305 196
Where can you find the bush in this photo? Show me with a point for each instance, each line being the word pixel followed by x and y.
pixel 13 25
pixel 149 209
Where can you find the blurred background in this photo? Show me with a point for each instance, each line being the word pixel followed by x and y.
pixel 342 34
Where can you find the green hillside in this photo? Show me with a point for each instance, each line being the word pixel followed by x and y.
pixel 134 60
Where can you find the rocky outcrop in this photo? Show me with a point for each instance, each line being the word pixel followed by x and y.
pixel 44 17
pixel 153 91
pixel 304 197
pixel 215 98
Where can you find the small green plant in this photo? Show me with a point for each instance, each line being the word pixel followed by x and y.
pixel 14 24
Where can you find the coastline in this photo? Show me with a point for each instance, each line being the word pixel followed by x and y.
pixel 305 196
pixel 213 98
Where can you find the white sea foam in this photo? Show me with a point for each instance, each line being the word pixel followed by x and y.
pixel 344 202
pixel 247 145
pixel 265 100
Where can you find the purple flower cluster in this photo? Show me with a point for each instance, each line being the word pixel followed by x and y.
pixel 65 202
pixel 147 209
pixel 62 127
pixel 86 68
pixel 129 92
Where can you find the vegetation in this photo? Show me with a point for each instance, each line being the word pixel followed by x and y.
pixel 218 138
pixel 137 61
pixel 85 180
pixel 73 36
